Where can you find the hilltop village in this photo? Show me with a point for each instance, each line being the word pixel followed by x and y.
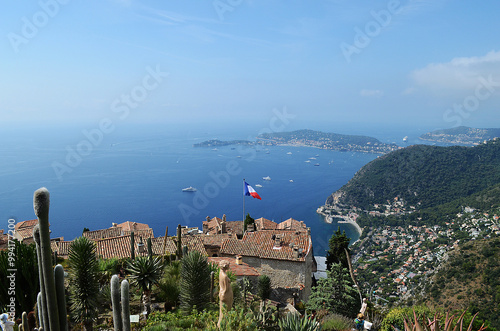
pixel 282 251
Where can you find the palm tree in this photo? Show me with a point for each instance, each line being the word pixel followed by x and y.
pixel 84 281
pixel 195 281
pixel 144 273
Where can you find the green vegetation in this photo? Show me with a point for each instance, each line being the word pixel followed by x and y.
pixel 83 284
pixel 335 293
pixel 470 281
pixel 195 282
pixel 144 273
pixel 423 176
pixel 264 287
pixel 26 278
pixel 337 246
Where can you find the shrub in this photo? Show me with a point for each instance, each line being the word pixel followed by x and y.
pixel 264 287
pixel 336 322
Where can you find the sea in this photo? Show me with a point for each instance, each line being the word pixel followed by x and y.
pixel 100 175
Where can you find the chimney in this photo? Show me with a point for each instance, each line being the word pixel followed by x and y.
pixel 114 225
pixel 251 227
pixel 277 241
pixel 296 252
pixel 223 228
pixel 239 259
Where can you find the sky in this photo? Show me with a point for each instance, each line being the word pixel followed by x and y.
pixel 326 64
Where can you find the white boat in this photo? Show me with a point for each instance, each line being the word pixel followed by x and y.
pixel 266 178
pixel 405 139
pixel 316 164
pixel 308 161
pixel 291 180
pixel 189 189
pixel 312 158
pixel 258 185
pixel 289 153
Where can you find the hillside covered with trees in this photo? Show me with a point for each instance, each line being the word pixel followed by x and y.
pixel 422 176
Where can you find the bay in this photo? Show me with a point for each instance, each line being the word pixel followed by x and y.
pixel 138 175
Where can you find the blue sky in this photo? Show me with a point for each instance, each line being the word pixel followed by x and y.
pixel 429 63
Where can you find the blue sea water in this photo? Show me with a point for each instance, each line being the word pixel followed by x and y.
pixel 138 175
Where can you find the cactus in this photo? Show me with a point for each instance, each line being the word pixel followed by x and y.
pixel 115 302
pixel 42 303
pixel 132 245
pixel 24 325
pixel 39 308
pixel 41 202
pixel 61 296
pixel 125 305
pixel 150 249
pixel 179 242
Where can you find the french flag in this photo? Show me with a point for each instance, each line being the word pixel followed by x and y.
pixel 250 191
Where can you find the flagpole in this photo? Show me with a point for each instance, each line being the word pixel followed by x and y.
pixel 243 200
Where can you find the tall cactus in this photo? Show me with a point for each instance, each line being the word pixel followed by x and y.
pixel 25 325
pixel 115 302
pixel 41 202
pixel 61 296
pixel 179 242
pixel 42 301
pixel 125 305
pixel 39 308
pixel 132 246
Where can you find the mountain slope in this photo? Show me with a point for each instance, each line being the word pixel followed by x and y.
pixel 423 176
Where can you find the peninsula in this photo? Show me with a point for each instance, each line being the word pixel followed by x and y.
pixel 311 138
pixel 461 135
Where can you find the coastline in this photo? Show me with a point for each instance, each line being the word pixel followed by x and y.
pixel 341 219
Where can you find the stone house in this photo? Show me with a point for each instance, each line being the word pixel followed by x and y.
pixel 285 255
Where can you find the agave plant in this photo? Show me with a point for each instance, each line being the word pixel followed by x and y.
pixel 144 273
pixel 434 325
pixel 294 322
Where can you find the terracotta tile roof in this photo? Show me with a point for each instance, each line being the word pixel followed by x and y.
pixel 61 247
pixel 292 224
pixel 144 233
pixel 215 240
pixel 26 224
pixel 193 243
pixel 235 227
pixel 119 247
pixel 24 233
pixel 262 244
pixel 212 226
pixel 103 234
pixel 114 247
pixel 239 270
pixel 132 226
pixel 157 245
pixel 265 224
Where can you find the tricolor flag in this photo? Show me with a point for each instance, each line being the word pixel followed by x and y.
pixel 250 191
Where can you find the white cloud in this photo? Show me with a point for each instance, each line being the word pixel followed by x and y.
pixel 459 74
pixel 371 93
